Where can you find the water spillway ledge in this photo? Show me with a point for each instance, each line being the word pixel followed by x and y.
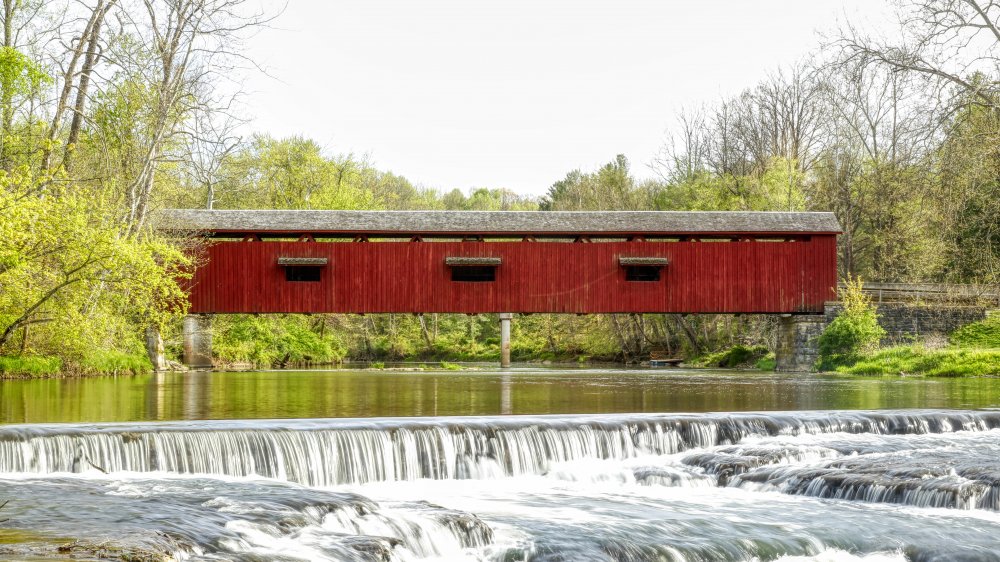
pixel 700 487
pixel 723 450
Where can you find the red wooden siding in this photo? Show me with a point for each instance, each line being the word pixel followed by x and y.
pixel 708 277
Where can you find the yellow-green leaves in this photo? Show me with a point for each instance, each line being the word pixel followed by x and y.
pixel 70 270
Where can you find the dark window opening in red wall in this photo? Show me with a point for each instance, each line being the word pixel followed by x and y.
pixel 642 273
pixel 474 273
pixel 300 273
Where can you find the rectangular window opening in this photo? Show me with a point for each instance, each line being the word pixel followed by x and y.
pixel 474 273
pixel 642 273
pixel 298 273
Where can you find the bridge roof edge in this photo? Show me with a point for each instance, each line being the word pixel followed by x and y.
pixel 552 223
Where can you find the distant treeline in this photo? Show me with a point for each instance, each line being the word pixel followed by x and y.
pixel 110 109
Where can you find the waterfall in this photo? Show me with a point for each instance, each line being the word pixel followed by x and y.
pixel 333 452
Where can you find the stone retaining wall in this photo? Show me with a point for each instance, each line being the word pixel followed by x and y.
pixel 798 348
pixel 906 322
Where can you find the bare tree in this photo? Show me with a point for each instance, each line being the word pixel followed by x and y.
pixel 685 153
pixel 83 46
pixel 213 140
pixel 193 45
pixel 90 42
pixel 948 42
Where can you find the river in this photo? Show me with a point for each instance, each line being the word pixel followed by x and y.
pixel 532 464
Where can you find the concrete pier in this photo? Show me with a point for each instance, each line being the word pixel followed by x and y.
pixel 198 341
pixel 505 318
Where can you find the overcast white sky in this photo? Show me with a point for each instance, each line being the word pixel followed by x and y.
pixel 514 93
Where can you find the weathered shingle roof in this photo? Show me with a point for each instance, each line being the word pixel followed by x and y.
pixel 497 223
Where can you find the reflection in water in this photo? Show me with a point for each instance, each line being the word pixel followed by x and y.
pixel 505 407
pixel 351 393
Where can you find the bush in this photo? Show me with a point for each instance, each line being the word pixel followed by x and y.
pixel 984 335
pixel 855 332
pixel 736 356
pixel 767 363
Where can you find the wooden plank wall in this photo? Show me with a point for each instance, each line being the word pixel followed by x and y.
pixel 559 277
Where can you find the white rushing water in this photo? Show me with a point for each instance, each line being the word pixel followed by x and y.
pixel 907 485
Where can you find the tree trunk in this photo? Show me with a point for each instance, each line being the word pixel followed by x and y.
pixel 425 332
pixel 685 327
pixel 92 41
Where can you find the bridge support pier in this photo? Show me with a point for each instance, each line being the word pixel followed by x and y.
pixel 197 333
pixel 505 318
pixel 798 349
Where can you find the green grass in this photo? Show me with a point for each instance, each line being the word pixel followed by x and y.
pixel 376 365
pixel 107 362
pixel 99 362
pixel 450 366
pixel 736 356
pixel 29 366
pixel 985 334
pixel 915 360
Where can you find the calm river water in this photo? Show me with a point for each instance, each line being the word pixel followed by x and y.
pixel 534 464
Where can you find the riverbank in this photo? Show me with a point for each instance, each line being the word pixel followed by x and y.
pixel 973 350
pixel 99 363
pixel 917 360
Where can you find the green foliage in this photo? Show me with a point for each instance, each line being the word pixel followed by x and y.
pixel 612 187
pixel 854 332
pixel 968 161
pixel 376 365
pixel 779 187
pixel 274 340
pixel 74 274
pixel 19 73
pixel 20 79
pixel 450 366
pixel 985 334
pixel 736 356
pixel 767 363
pixel 29 366
pixel 915 360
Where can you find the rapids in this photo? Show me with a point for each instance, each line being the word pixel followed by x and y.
pixel 916 485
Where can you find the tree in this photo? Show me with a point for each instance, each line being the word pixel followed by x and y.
pixel 612 187
pixel 946 42
pixel 59 255
pixel 854 331
pixel 180 50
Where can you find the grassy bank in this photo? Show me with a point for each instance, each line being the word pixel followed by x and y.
pixel 917 360
pixel 100 362
pixel 29 367
pixel 973 350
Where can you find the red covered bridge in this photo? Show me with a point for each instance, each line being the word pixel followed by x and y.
pixel 477 262
pixel 511 262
